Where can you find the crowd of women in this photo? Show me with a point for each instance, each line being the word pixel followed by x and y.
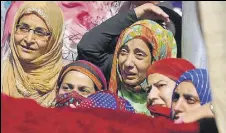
pixel 128 68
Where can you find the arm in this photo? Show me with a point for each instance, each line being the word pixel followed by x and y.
pixel 97 46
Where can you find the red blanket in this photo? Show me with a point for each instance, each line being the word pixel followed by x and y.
pixel 26 116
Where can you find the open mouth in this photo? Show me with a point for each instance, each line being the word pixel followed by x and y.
pixel 27 48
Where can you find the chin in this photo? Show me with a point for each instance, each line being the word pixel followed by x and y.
pixel 131 82
pixel 25 58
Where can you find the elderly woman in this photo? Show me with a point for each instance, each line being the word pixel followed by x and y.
pixel 161 77
pixel 77 81
pixel 32 67
pixel 125 64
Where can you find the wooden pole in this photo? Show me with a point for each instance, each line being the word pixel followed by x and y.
pixel 213 20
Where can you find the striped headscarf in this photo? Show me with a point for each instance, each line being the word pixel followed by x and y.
pixel 200 79
pixel 160 40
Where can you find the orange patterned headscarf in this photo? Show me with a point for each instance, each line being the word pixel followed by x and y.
pixel 161 40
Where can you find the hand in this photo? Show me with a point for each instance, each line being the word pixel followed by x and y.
pixel 151 11
pixel 196 114
pixel 139 3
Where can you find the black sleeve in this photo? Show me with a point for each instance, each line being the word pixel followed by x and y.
pixel 208 125
pixel 97 46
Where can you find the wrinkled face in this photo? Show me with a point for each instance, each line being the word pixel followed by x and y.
pixel 134 59
pixel 31 44
pixel 185 99
pixel 79 82
pixel 161 91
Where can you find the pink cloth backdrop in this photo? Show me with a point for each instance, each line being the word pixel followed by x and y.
pixel 80 17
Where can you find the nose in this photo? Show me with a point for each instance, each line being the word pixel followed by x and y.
pixel 129 61
pixel 30 37
pixel 178 106
pixel 153 95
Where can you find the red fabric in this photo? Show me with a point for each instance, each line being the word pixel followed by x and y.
pixel 26 116
pixel 171 67
pixel 157 110
pixel 64 100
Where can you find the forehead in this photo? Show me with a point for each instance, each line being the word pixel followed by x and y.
pixel 33 20
pixel 156 77
pixel 77 78
pixel 186 87
pixel 137 43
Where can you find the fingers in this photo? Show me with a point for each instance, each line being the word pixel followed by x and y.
pixel 72 106
pixel 160 14
pixel 153 12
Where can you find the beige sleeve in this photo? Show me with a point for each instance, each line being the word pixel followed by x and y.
pixel 212 20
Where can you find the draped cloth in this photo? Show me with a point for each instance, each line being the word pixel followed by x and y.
pixel 30 117
pixel 40 81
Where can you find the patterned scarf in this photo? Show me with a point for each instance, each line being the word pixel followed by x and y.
pixel 161 40
pixel 106 99
pixel 87 68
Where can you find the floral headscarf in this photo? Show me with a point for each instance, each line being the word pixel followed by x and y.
pixel 161 40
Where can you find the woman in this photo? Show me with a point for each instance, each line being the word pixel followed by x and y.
pixel 162 76
pixel 32 67
pixel 77 81
pixel 129 63
pixel 192 91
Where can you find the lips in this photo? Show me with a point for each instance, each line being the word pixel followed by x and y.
pixel 27 48
pixel 126 73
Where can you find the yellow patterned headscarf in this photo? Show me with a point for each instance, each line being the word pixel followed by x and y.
pixel 161 40
pixel 41 80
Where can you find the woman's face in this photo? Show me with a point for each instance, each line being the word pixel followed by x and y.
pixel 134 59
pixel 161 91
pixel 185 99
pixel 79 82
pixel 29 44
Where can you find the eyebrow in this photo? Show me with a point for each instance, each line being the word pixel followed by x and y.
pixel 23 23
pixel 190 95
pixel 69 84
pixel 159 81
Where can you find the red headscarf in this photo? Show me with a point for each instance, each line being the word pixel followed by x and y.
pixel 171 67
